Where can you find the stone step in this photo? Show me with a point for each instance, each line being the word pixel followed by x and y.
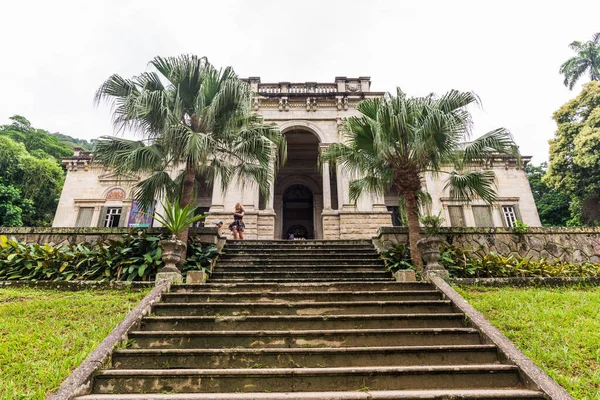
pixel 463 394
pixel 306 379
pixel 212 297
pixel 302 322
pixel 311 242
pixel 298 250
pixel 287 255
pixel 304 358
pixel 302 261
pixel 304 308
pixel 218 274
pixel 299 280
pixel 304 286
pixel 305 338
pixel 306 268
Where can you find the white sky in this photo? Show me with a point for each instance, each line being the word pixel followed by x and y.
pixel 55 54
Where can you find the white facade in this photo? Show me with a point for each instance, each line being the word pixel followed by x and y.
pixel 306 200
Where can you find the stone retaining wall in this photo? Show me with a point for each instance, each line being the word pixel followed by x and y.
pixel 59 236
pixel 575 245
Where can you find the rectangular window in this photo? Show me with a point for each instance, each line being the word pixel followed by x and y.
pixel 396 219
pixel 510 216
pixel 113 216
pixel 84 217
pixel 483 216
pixel 457 217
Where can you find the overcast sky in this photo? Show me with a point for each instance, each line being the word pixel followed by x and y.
pixel 55 54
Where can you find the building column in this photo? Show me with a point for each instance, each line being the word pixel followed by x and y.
pixel 217 196
pixel 343 187
pixel 326 187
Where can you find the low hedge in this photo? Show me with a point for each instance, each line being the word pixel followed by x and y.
pixel 466 263
pixel 134 257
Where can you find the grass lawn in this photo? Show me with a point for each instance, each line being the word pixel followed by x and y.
pixel 558 328
pixel 45 334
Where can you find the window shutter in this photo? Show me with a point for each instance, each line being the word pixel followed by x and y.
pixel 483 216
pixel 84 218
pixel 124 217
pixel 102 217
pixel 517 212
pixel 456 216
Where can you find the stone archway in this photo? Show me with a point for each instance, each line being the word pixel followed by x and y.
pixel 300 171
pixel 298 213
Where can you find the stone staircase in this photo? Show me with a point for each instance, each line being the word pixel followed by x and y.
pixel 306 320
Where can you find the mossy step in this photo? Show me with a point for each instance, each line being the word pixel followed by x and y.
pixel 304 308
pixel 220 274
pixel 301 286
pixel 302 322
pixel 365 394
pixel 211 297
pixel 304 358
pixel 303 338
pixel 298 280
pixel 303 379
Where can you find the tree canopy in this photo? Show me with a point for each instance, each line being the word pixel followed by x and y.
pixel 31 175
pixel 397 139
pixel 586 60
pixel 552 205
pixel 38 180
pixel 574 166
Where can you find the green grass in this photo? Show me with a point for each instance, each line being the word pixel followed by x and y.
pixel 558 328
pixel 45 334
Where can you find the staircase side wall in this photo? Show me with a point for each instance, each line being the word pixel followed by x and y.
pixel 575 245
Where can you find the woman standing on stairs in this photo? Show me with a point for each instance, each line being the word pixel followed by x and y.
pixel 237 226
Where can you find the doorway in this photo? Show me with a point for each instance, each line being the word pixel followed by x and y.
pixel 298 213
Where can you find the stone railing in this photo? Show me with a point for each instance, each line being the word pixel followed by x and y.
pixel 60 236
pixel 274 88
pixel 567 244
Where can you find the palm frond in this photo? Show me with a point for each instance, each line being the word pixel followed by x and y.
pixel 472 184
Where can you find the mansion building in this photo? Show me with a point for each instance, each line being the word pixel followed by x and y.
pixel 306 200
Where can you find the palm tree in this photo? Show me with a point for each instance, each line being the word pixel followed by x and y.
pixel 587 59
pixel 195 122
pixel 397 139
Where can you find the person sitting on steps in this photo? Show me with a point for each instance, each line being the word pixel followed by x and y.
pixel 237 226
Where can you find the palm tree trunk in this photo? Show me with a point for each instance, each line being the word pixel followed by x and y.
pixel 187 195
pixel 414 230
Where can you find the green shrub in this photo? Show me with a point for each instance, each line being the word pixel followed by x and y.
pixel 397 257
pixel 467 264
pixel 200 257
pixel 135 256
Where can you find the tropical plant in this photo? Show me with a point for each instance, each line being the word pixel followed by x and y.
pixel 586 60
pixel 465 263
pixel 431 224
pixel 176 218
pixel 198 124
pixel 201 256
pixel 397 257
pixel 133 257
pixel 397 139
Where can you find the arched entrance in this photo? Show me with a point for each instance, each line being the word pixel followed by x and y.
pixel 298 193
pixel 298 214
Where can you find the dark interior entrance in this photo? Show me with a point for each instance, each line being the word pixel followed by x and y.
pixel 298 213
